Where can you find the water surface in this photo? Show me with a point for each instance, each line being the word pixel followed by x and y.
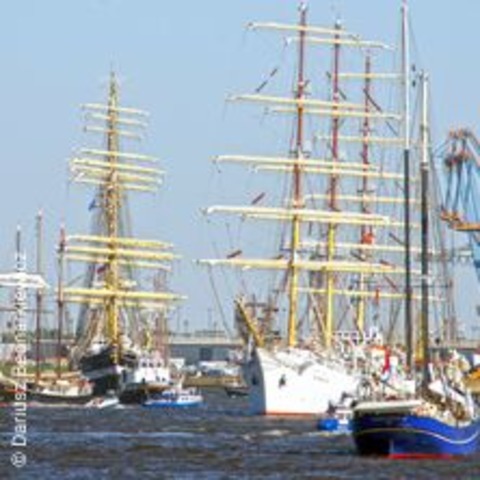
pixel 217 441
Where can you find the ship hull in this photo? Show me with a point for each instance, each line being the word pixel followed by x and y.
pixel 7 393
pixel 294 381
pixel 139 392
pixel 58 399
pixel 103 373
pixel 410 436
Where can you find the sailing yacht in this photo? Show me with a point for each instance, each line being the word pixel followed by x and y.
pixel 327 256
pixel 71 390
pixel 115 304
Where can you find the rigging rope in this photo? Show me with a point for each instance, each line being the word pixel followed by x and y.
pixel 219 304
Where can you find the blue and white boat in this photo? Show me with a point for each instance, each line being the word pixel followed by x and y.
pixel 175 398
pixel 339 421
pixel 439 419
pixel 407 429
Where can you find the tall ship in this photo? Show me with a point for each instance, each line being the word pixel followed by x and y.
pixel 117 304
pixel 329 283
pixel 42 387
pixel 439 418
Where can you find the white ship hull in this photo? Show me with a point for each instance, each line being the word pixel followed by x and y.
pixel 295 381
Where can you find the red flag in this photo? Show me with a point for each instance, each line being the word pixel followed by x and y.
pixel 368 238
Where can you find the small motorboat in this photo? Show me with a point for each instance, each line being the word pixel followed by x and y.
pixel 175 398
pixel 339 416
pixel 337 421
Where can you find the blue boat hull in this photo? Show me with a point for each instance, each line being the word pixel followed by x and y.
pixel 410 436
pixel 333 425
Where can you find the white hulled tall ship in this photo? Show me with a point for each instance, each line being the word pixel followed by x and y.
pixel 116 309
pixel 337 264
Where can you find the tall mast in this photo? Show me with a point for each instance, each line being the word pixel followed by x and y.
pixel 60 298
pixel 366 231
pixel 330 276
pixel 112 208
pixel 297 181
pixel 406 185
pixel 39 294
pixel 20 280
pixel 424 172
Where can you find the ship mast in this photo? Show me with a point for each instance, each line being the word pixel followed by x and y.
pixel 112 196
pixel 114 255
pixel 406 186
pixel 60 298
pixel 366 233
pixel 297 182
pixel 330 275
pixel 39 295
pixel 424 172
pixel 21 281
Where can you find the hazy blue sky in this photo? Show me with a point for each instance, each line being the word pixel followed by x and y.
pixel 179 60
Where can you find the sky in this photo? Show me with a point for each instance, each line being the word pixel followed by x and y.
pixel 178 60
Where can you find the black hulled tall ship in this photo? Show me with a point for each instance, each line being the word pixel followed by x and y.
pixel 115 306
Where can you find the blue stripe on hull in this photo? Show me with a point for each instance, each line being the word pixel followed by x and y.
pixel 411 436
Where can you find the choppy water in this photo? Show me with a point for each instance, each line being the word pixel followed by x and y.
pixel 217 441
